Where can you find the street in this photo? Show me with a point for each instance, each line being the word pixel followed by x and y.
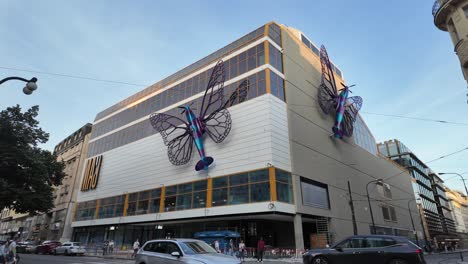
pixel 48 259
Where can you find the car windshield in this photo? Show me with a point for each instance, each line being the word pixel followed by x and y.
pixel 76 244
pixel 196 247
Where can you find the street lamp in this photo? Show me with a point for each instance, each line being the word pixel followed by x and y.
pixel 31 85
pixel 412 222
pixel 378 181
pixel 463 179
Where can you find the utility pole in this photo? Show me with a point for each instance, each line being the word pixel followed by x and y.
pixel 351 204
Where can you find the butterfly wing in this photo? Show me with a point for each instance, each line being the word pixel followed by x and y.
pixel 328 93
pixel 218 124
pixel 176 136
pixel 353 105
pixel 214 93
pixel 179 150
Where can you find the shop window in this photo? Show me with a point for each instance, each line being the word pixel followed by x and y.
pixel 284 187
pixel 314 194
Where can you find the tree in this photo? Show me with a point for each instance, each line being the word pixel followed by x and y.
pixel 27 172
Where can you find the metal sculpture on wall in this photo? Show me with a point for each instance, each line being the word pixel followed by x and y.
pixel 330 99
pixel 214 119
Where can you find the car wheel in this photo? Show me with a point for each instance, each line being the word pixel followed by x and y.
pixel 66 253
pixel 55 252
pixel 321 260
pixel 398 261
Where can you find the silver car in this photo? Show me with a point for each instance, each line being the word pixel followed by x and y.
pixel 171 251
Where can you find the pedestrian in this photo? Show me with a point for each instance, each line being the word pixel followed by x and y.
pixel 3 253
pixel 111 246
pixel 105 247
pixel 12 251
pixel 136 246
pixel 260 249
pixel 241 251
pixel 231 247
pixel 217 246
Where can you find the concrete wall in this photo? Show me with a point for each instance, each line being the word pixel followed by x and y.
pixel 317 156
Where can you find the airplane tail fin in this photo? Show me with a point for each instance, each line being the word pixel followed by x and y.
pixel 204 163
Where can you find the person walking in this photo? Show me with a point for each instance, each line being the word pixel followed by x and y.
pixel 217 246
pixel 12 251
pixel 260 249
pixel 136 246
pixel 231 247
pixel 4 252
pixel 111 246
pixel 241 251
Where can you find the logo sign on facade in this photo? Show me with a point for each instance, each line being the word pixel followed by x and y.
pixel 91 175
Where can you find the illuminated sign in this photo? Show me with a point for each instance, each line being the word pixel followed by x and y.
pixel 91 175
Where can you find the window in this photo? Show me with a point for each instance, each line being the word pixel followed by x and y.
pixel 379 242
pixel 155 201
pixel 284 187
pixel 352 243
pixel 465 10
pixel 314 194
pixel 85 210
pixel 241 188
pixel 196 248
pixel 389 213
pixel 185 196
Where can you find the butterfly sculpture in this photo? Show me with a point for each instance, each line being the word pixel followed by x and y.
pixel 330 99
pixel 213 119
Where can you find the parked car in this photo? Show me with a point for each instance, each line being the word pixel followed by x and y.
pixel 31 246
pixel 26 247
pixel 368 249
pixel 181 251
pixel 70 248
pixel 47 247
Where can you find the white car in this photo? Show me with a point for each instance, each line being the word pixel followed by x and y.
pixel 70 248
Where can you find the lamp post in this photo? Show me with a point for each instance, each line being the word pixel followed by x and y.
pixel 31 85
pixel 463 179
pixel 378 181
pixel 412 222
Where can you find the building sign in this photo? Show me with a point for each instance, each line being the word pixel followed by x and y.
pixel 91 175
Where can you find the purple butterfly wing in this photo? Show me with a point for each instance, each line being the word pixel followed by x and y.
pixel 176 136
pixel 328 93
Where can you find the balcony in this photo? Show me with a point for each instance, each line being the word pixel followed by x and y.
pixel 441 10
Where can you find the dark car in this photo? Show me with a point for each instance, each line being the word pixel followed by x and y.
pixel 47 247
pixel 368 249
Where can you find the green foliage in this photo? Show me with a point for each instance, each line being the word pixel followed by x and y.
pixel 27 173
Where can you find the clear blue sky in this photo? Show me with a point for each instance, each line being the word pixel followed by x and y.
pixel 402 64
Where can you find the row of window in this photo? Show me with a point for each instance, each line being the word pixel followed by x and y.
pixel 257 87
pixel 252 36
pixel 429 205
pixel 421 178
pixel 240 64
pixel 241 188
pixel 315 50
pixel 274 32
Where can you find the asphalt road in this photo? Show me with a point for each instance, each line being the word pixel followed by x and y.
pixel 47 259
